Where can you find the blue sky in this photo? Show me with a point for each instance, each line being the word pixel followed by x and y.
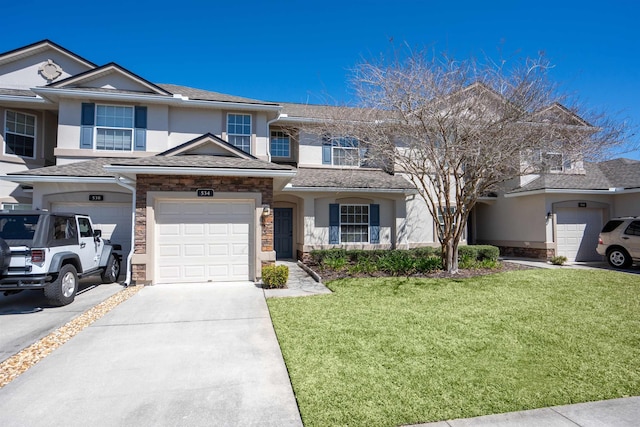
pixel 303 50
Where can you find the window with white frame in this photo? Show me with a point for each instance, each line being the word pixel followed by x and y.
pixel 553 162
pixel 345 151
pixel 280 144
pixel 239 131
pixel 20 134
pixel 354 223
pixel 114 127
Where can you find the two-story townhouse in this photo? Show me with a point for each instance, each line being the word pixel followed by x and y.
pixel 203 186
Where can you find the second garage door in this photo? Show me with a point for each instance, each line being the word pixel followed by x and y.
pixel 203 241
pixel 577 233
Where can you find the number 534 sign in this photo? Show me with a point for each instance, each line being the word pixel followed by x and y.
pixel 204 192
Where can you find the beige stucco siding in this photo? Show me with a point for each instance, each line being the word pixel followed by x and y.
pixel 627 204
pixel 24 73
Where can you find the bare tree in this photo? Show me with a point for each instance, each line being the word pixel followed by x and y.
pixel 458 129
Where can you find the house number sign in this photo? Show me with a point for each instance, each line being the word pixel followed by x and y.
pixel 96 197
pixel 204 192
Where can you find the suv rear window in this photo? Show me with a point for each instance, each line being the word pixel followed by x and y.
pixel 611 225
pixel 18 227
pixel 633 228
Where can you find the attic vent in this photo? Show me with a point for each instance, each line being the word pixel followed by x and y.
pixel 50 70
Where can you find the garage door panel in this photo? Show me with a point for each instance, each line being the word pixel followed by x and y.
pixel 577 233
pixel 212 241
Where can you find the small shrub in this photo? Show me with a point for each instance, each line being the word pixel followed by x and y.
pixel 466 261
pixel 397 263
pixel 488 252
pixel 275 276
pixel 335 262
pixel 428 264
pixel 468 253
pixel 427 251
pixel 364 265
pixel 559 260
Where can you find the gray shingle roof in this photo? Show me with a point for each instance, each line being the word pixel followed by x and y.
pixel 616 173
pixel 87 168
pixel 200 161
pixel 349 179
pixel 17 92
pixel 205 95
pixel 95 167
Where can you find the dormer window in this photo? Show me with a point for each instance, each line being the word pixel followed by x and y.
pixel 552 162
pixel 341 151
pixel 239 131
pixel 20 134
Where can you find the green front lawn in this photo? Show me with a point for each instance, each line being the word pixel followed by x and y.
pixel 391 351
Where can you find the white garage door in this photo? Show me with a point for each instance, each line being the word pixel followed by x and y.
pixel 114 219
pixel 577 233
pixel 203 241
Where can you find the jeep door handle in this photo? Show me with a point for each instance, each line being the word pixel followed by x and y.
pixel 82 245
pixel 625 238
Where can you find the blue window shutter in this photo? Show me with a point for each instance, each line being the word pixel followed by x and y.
pixel 326 153
pixel 88 114
pixel 140 123
pixel 334 224
pixel 374 223
pixel 87 120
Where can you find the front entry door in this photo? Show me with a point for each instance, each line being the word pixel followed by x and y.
pixel 283 232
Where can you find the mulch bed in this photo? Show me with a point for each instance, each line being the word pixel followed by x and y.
pixel 328 274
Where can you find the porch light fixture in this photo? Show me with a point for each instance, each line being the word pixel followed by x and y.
pixel 266 210
pixel 548 217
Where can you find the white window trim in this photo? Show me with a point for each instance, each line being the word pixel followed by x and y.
pixel 554 153
pixel 335 145
pixel 284 135
pixel 35 135
pixel 368 223
pixel 96 127
pixel 250 135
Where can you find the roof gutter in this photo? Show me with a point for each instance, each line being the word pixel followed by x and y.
pixel 54 178
pixel 572 191
pixel 289 187
pixel 154 99
pixel 169 170
pixel 129 184
pixel 29 99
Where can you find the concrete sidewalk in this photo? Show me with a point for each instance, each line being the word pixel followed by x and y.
pixel 299 284
pixel 180 354
pixel 606 413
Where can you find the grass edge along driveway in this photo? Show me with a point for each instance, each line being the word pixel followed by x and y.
pixel 391 351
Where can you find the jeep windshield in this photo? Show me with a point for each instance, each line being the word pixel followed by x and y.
pixel 18 227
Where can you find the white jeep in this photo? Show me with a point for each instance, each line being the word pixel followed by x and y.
pixel 50 251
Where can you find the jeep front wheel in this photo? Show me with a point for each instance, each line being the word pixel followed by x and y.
pixel 62 291
pixel 111 270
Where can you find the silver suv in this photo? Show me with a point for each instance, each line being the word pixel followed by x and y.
pixel 619 241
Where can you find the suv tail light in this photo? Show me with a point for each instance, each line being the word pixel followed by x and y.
pixel 600 242
pixel 37 255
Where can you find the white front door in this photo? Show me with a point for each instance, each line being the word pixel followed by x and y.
pixel 200 241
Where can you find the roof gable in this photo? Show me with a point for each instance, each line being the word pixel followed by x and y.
pixel 559 114
pixel 207 144
pixel 110 77
pixel 39 64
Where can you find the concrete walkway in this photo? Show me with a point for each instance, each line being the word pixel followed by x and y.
pixel 300 283
pixel 606 413
pixel 177 354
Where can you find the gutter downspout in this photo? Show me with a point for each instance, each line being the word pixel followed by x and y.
pixel 126 183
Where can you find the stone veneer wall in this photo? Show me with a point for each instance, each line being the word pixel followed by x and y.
pixel 146 183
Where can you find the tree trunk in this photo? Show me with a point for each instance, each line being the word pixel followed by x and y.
pixel 450 256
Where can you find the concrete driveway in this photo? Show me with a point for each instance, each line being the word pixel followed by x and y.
pixel 26 317
pixel 179 354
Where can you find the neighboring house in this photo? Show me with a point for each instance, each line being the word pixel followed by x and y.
pixel 211 187
pixel 559 213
